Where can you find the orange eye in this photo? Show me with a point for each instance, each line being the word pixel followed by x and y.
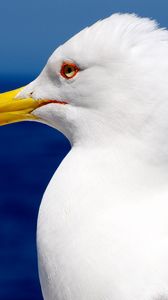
pixel 69 70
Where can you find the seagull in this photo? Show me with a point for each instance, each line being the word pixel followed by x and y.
pixel 102 231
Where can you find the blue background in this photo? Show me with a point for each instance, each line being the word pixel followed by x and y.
pixel 30 152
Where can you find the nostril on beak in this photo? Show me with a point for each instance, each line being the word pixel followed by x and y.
pixel 31 94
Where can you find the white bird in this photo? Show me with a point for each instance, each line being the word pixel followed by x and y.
pixel 102 229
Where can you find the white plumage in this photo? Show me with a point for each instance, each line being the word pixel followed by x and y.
pixel 103 222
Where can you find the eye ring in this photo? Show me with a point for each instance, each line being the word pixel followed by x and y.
pixel 69 70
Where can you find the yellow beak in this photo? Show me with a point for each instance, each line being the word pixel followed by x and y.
pixel 15 110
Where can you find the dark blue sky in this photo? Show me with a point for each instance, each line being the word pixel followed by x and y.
pixel 30 152
pixel 31 30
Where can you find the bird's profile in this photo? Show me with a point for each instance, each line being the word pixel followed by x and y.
pixel 102 229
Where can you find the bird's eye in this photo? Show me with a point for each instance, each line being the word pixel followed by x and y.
pixel 69 70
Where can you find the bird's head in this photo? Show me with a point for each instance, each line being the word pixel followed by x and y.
pixel 110 77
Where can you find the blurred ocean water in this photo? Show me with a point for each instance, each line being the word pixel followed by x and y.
pixel 29 155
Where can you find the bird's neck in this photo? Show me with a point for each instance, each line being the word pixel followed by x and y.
pixel 115 173
pixel 131 161
pixel 100 130
pixel 140 153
